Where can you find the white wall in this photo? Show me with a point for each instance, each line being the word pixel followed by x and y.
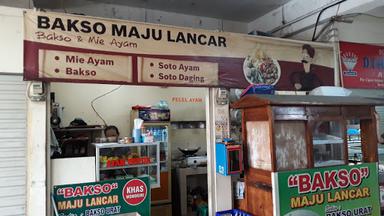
pixel 297 8
pixel 364 29
pixel 286 13
pixel 115 108
pixel 154 16
pixel 11 55
pixel 37 158
pixel 11 40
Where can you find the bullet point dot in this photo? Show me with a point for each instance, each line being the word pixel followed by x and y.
pixel 151 64
pixel 57 58
pixel 152 75
pixel 57 70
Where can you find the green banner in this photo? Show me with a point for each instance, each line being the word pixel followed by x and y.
pixel 329 191
pixel 112 197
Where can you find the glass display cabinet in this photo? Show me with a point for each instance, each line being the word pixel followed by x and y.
pixel 162 194
pixel 291 133
pixel 115 161
pixel 160 129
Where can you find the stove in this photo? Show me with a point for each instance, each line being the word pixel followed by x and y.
pixel 190 161
pixel 194 161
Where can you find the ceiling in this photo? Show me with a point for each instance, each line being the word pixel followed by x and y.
pixel 236 10
pixel 379 11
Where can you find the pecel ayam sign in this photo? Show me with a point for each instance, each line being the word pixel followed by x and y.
pixel 70 48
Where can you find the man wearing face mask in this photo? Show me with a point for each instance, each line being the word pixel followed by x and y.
pixel 306 80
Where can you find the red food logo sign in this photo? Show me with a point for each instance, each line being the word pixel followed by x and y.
pixel 134 192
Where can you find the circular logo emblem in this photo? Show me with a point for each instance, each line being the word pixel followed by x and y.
pixel 134 192
pixel 261 71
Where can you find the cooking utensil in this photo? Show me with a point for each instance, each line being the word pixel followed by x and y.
pixel 189 152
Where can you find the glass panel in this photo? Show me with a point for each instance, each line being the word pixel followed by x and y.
pixel 123 173
pixel 328 143
pixel 234 163
pixel 152 174
pixel 160 134
pixel 258 142
pixel 235 125
pixel 291 147
pixel 355 155
pixel 164 156
pixel 126 161
pixel 118 174
pixel 381 165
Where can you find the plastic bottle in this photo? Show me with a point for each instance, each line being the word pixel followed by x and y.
pixel 142 133
pixel 159 135
pixel 150 135
pixel 162 135
pixel 155 135
pixel 165 135
pixel 146 136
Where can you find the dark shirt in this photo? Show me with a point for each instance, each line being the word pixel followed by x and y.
pixel 308 81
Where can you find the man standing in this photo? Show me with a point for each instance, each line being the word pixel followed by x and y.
pixel 306 80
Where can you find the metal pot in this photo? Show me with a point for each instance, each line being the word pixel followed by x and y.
pixel 189 152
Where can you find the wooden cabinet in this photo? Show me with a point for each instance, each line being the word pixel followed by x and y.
pixel 283 133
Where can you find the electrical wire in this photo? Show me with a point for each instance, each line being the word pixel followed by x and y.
pixel 339 18
pixel 333 19
pixel 326 26
pixel 98 97
pixel 329 24
pixel 321 12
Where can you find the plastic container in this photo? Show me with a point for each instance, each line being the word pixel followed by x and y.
pixel 155 115
pixel 330 91
pixel 136 134
pixel 259 89
pixel 232 212
pixel 202 210
pixel 164 135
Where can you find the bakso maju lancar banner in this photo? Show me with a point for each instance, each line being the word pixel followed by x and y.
pixel 71 48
